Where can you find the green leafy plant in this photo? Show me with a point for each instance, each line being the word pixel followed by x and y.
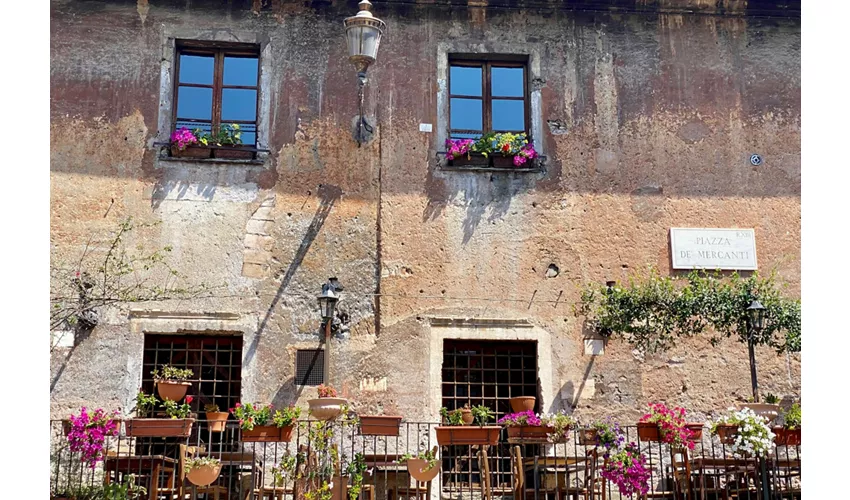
pixel 321 493
pixel 771 399
pixel 198 462
pixel 792 417
pixel 211 408
pixel 250 415
pixel 145 403
pixel 286 467
pixel 176 410
pixel 287 416
pixel 561 423
pixel 482 414
pixel 127 490
pixel 429 456
pixel 355 470
pixel 454 417
pixel 227 135
pixel 651 312
pixel 171 374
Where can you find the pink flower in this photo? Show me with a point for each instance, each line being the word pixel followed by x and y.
pixel 189 399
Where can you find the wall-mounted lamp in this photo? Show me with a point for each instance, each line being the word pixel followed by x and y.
pixel 363 34
pixel 327 303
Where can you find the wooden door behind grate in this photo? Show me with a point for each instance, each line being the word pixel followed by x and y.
pixel 485 373
pixel 215 360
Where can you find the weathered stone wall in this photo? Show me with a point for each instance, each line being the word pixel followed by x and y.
pixel 649 119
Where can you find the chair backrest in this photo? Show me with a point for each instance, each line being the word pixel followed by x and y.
pixel 681 468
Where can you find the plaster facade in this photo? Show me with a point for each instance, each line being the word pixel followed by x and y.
pixel 647 113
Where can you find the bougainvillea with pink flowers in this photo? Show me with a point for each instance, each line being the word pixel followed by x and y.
pixel 671 422
pixel 527 417
pixel 89 432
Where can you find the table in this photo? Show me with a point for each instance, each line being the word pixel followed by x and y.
pixel 140 464
pixel 561 466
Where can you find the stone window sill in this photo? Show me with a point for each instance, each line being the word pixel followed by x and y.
pixel 209 161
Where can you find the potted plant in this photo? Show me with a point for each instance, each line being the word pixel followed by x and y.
pixel 230 137
pixel 523 403
pixel 525 425
pixel 789 434
pixel 88 433
pixel 202 471
pixel 667 425
pixel 172 383
pixel 178 421
pixel 189 144
pixel 216 419
pixel 328 406
pixel 746 432
pixel 424 466
pixel 284 469
pixel 379 425
pixel 769 409
pixel 606 433
pixel 455 430
pixel 259 424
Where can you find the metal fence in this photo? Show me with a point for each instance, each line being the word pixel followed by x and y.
pixel 319 453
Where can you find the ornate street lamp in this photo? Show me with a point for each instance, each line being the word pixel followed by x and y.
pixel 327 304
pixel 755 322
pixel 363 34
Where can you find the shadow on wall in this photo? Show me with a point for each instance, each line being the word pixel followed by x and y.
pixel 328 196
pixel 481 194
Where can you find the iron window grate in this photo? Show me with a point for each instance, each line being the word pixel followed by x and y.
pixel 309 365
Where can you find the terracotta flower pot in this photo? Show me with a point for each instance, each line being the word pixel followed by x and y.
pixel 529 432
pixel 787 437
pixel 204 476
pixel 467 416
pixel 588 437
pixel 374 425
pixel 466 434
pixel 696 430
pixel 159 427
pixel 765 410
pixel 172 390
pixel 523 403
pixel 217 420
pixel 326 408
pixel 190 152
pixel 264 434
pixel 648 432
pixel 727 433
pixel 416 467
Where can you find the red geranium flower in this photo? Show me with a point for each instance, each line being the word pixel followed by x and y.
pixel 189 399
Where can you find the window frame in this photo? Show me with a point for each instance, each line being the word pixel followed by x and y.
pixel 486 64
pixel 219 50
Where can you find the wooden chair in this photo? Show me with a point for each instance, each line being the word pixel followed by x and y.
pixel 186 490
pixel 681 471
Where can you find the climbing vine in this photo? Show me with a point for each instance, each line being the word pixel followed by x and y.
pixel 651 312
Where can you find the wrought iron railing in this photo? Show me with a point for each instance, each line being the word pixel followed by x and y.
pixel 297 469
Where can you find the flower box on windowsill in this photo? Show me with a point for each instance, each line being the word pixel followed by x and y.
pixel 191 152
pixel 470 160
pixel 233 153
pixel 497 163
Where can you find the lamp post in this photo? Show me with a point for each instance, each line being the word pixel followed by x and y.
pixel 755 322
pixel 327 304
pixel 363 34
